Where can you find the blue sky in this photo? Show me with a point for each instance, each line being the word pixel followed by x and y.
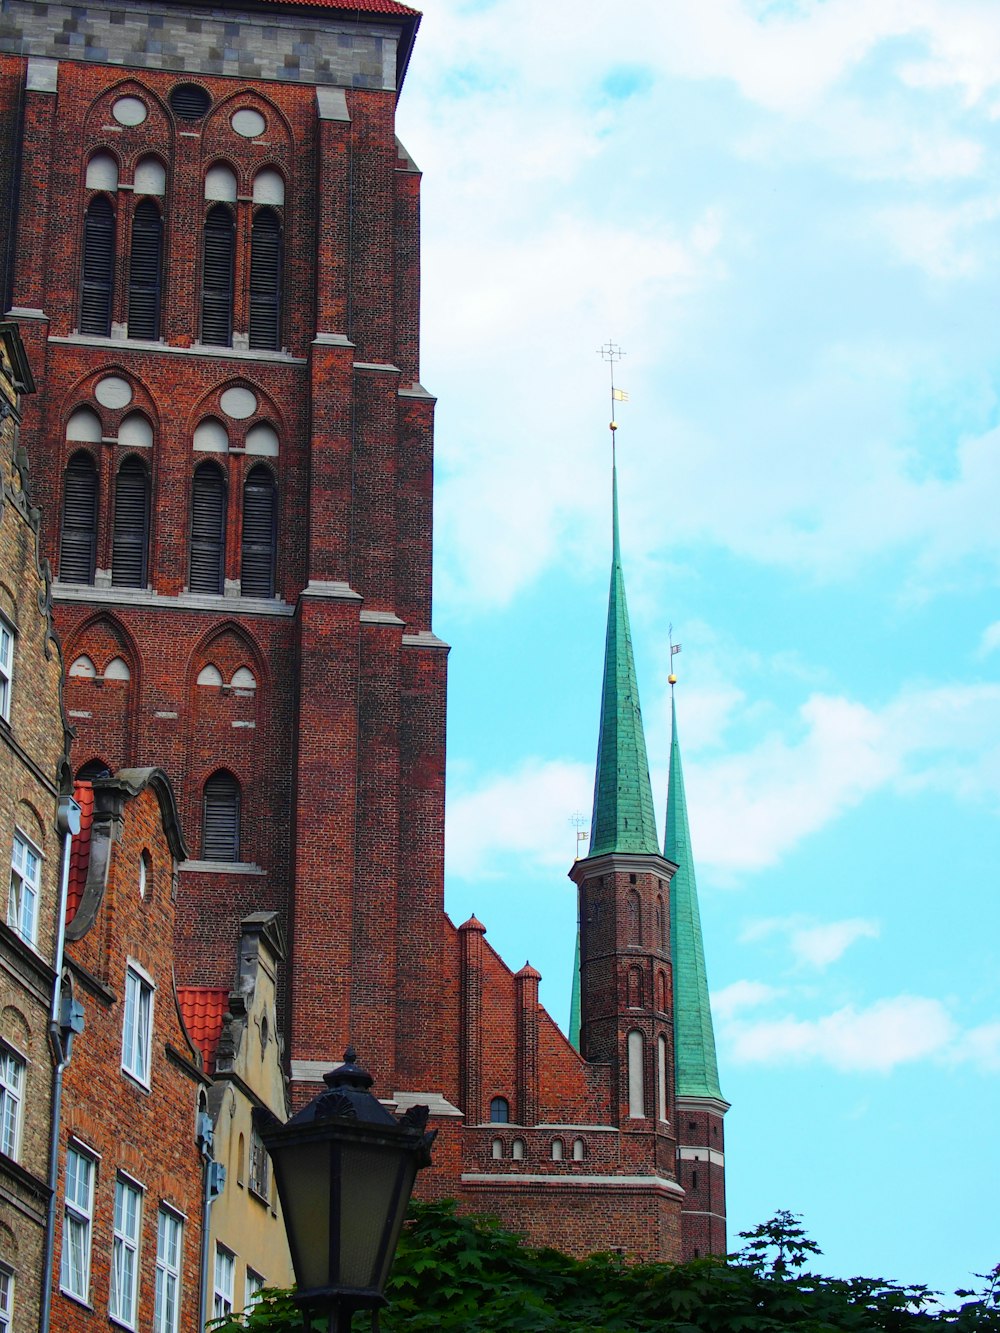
pixel 788 215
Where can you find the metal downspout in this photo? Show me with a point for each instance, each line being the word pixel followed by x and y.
pixel 68 824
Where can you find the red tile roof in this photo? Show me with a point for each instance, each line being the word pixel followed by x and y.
pixel 203 1009
pixel 359 7
pixel 79 857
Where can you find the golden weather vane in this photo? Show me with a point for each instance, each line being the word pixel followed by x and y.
pixel 579 821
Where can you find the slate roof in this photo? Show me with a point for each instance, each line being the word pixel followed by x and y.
pixel 695 1065
pixel 203 1008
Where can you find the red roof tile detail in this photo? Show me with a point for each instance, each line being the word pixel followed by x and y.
pixel 360 7
pixel 79 856
pixel 203 1008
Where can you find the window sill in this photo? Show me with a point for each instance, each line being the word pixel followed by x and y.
pixel 77 1300
pixel 222 867
pixel 141 1086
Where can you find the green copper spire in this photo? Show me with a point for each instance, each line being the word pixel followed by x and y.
pixel 623 818
pixel 575 1012
pixel 697 1072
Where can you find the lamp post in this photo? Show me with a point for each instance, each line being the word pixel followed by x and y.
pixel 345 1167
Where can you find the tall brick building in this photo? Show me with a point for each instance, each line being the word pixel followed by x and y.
pixel 210 242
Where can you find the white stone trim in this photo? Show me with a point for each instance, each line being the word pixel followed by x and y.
pixel 336 590
pixel 332 340
pixel 381 618
pixel 222 867
pixel 657 1183
pixel 435 1102
pixel 384 367
pixel 714 1105
pixel 647 863
pixel 199 349
pixel 711 1155
pixel 185 601
pixel 312 1071
pixel 43 75
pixel 25 312
pixel 424 638
pixel 580 1129
pixel 415 390
pixel 331 104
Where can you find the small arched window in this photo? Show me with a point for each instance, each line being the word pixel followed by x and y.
pixel 131 534
pixel 220 833
pixel 145 268
pixel 217 277
pixel 208 529
pixel 78 544
pixel 661 984
pixel 98 268
pixel 92 771
pixel 499 1111
pixel 257 565
pixel 496 1149
pixel 265 280
pixel 558 1150
pixel 517 1150
pixel 635 988
pixel 579 1150
pixel 150 176
pixel 661 1077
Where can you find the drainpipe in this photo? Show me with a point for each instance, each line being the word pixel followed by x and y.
pixel 61 1028
pixel 213 1179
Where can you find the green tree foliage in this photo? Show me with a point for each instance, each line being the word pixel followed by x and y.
pixel 456 1272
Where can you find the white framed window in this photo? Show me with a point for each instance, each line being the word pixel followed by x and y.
pixel 255 1286
pixel 137 1032
pixel 259 1166
pixel 6 666
pixel 225 1278
pixel 169 1238
pixel 11 1094
pixel 78 1220
pixel 6 1298
pixel 22 899
pixel 125 1252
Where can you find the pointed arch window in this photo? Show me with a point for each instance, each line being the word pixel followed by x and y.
pixel 98 267
pixel 145 269
pixel 633 909
pixel 78 543
pixel 131 534
pixel 217 277
pixel 636 1048
pixel 265 280
pixel 208 529
pixel 259 514
pixel 220 829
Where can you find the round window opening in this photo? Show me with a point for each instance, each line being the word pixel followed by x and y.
pixel 238 403
pixel 248 122
pixel 189 101
pixel 129 111
pixel 113 391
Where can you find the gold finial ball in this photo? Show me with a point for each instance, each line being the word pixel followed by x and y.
pixel 612 425
pixel 672 680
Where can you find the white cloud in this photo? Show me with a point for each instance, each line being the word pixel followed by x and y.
pixel 980 1046
pixel 739 996
pixel 889 1032
pixel 524 815
pixel 990 641
pixel 814 944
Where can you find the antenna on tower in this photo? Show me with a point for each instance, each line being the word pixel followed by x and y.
pixel 674 650
pixel 611 352
pixel 579 821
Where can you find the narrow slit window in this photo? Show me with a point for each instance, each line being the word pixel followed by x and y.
pixel 265 280
pixel 217 278
pixel 78 545
pixel 257 566
pixel 131 536
pixel 208 529
pixel 145 269
pixel 98 268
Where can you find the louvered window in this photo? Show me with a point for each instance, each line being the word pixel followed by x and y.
pixel 131 539
pixel 78 547
pixel 265 280
pixel 208 529
pixel 220 834
pixel 257 569
pixel 217 278
pixel 145 266
pixel 98 268
pixel 189 101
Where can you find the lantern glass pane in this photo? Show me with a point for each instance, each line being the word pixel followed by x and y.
pixel 372 1204
pixel 305 1175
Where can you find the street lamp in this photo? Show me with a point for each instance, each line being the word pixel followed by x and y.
pixel 345 1167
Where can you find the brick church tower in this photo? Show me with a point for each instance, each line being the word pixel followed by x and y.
pixel 209 238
